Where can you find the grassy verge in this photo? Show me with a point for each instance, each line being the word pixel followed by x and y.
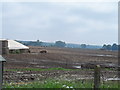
pixel 38 69
pixel 53 83
pixel 56 83
pixel 48 69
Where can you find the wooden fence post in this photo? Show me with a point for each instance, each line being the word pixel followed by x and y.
pixel 97 77
pixel 0 75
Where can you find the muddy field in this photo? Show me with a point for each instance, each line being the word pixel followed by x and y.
pixel 68 58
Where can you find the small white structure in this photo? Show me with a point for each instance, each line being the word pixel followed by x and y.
pixel 12 46
pixel 15 46
pixel 1 70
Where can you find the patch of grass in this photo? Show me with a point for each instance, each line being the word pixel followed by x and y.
pixel 110 84
pixel 48 69
pixel 38 69
pixel 53 83
pixel 50 83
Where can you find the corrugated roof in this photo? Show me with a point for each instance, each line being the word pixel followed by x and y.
pixel 3 39
pixel 2 59
pixel 16 45
pixel 12 44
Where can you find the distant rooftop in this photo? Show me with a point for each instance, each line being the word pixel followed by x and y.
pixel 2 39
pixel 2 59
pixel 12 44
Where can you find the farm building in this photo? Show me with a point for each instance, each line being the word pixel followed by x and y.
pixel 15 46
pixel 12 46
pixel 2 60
pixel 4 46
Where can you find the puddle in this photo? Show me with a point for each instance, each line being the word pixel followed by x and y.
pixel 78 67
pixel 112 79
pixel 40 66
pixel 20 72
pixel 109 65
pixel 105 55
pixel 33 63
pixel 101 55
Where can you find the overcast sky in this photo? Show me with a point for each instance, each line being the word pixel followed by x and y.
pixel 90 23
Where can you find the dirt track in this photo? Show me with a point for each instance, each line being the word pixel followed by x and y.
pixel 54 58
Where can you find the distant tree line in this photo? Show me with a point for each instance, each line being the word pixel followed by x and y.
pixel 60 44
pixel 57 44
pixel 69 45
pixel 113 47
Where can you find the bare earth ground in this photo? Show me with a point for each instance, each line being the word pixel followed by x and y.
pixel 58 58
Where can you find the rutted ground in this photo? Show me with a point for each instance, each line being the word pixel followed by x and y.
pixel 28 65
